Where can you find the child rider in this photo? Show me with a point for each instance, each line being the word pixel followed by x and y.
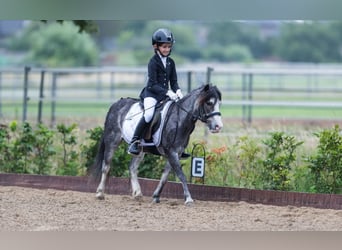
pixel 161 74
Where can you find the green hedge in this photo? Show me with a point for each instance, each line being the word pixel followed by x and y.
pixel 272 163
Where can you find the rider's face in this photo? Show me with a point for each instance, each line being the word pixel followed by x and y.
pixel 165 49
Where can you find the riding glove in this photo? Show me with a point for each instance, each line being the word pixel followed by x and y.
pixel 173 96
pixel 179 94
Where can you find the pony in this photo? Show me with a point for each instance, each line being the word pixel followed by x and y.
pixel 180 118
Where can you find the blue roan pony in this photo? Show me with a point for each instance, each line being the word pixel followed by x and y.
pixel 180 119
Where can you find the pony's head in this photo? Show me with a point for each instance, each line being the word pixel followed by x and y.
pixel 208 106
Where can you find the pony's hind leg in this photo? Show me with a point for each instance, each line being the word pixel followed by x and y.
pixel 163 180
pixel 133 168
pixel 100 189
pixel 107 159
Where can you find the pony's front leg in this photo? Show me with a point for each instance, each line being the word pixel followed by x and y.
pixel 175 164
pixel 163 180
pixel 133 168
pixel 100 189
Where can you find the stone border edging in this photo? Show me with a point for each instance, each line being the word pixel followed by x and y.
pixel 121 186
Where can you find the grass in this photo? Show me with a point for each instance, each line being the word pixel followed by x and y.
pixel 99 110
pixel 285 112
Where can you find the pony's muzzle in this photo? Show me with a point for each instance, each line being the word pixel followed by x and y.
pixel 217 129
pixel 215 124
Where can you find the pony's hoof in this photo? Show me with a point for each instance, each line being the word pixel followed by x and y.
pixel 137 194
pixel 100 196
pixel 189 202
pixel 156 200
pixel 138 198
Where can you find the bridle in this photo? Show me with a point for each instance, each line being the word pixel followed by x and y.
pixel 203 117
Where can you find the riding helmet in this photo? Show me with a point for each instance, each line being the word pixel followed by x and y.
pixel 162 36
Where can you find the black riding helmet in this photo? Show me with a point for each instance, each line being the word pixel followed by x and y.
pixel 162 36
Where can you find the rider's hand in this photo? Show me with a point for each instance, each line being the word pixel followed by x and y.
pixel 173 96
pixel 179 94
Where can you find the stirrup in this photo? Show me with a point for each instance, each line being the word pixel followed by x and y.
pixel 134 148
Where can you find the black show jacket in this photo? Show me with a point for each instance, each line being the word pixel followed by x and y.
pixel 159 78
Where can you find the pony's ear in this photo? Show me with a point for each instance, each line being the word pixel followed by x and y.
pixel 206 87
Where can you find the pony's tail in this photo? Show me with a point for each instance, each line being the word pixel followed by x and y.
pixel 96 169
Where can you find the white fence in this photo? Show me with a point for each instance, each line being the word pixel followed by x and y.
pixel 38 92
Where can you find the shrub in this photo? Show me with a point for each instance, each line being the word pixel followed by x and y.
pixel 248 157
pixel 39 150
pixel 70 163
pixel 220 166
pixel 43 149
pixel 25 149
pixel 5 149
pixel 326 164
pixel 280 155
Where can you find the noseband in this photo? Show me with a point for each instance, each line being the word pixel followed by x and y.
pixel 204 118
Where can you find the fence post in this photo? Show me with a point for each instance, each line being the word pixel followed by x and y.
pixel 250 93
pixel 189 81
pixel 243 97
pixel 41 96
pixel 209 70
pixel 53 99
pixel 26 98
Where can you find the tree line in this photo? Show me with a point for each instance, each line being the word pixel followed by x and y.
pixel 95 43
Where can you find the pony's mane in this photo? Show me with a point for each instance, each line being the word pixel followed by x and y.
pixel 212 91
pixel 208 91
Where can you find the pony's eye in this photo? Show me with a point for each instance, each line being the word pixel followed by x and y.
pixel 210 102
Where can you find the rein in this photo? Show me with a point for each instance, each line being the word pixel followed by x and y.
pixel 154 106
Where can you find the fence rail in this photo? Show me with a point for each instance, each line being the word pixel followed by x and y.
pixel 41 92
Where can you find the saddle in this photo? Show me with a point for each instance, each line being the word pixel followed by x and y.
pixel 152 136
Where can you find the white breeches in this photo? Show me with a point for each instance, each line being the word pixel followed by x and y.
pixel 149 106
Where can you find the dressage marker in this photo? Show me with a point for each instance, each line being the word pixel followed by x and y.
pixel 197 163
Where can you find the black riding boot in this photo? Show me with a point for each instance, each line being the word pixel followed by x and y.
pixel 138 133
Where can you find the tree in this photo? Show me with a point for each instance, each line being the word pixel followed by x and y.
pixel 87 26
pixel 54 44
pixel 232 33
pixel 57 45
pixel 308 42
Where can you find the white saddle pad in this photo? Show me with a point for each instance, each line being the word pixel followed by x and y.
pixel 133 117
